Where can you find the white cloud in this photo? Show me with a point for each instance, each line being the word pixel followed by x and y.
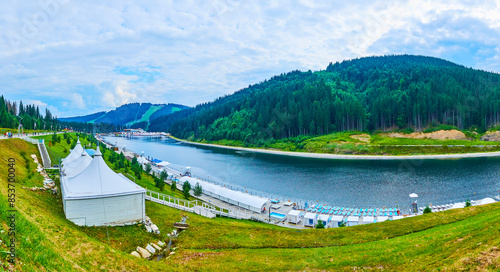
pixel 77 101
pixel 34 102
pixel 120 96
pixel 204 50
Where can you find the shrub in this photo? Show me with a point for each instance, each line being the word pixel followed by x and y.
pixel 163 175
pixel 160 184
pixel 186 187
pixel 198 190
pixel 427 210
pixel 173 186
pixel 320 225
pixel 148 168
pixel 467 203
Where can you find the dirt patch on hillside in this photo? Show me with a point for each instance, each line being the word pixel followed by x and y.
pixel 362 137
pixel 491 136
pixel 436 135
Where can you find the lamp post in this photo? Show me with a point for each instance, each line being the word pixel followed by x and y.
pixel 20 126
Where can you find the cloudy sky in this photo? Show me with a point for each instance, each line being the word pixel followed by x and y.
pixel 77 58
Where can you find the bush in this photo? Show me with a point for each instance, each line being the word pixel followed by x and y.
pixel 160 184
pixel 163 175
pixel 148 168
pixel 320 225
pixel 467 203
pixel 173 186
pixel 186 187
pixel 427 210
pixel 198 190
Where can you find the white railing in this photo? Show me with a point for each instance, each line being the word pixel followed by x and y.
pixel 196 206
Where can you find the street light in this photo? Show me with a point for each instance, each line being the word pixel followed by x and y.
pixel 20 126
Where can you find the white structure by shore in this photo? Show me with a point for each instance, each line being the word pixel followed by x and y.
pixel 240 199
pixel 100 197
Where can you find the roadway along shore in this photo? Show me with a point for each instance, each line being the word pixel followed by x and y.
pixel 349 157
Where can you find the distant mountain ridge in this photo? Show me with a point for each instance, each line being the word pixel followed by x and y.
pixel 132 114
pixel 378 93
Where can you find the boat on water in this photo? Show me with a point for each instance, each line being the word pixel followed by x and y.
pixel 130 132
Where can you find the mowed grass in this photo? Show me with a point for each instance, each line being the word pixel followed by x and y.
pixel 346 143
pixel 380 140
pixel 453 240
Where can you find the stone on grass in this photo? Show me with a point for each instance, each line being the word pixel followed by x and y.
pixel 155 229
pixel 156 246
pixel 136 254
pixel 144 253
pixel 161 243
pixel 151 249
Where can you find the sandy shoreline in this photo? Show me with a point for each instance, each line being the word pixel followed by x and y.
pixel 349 157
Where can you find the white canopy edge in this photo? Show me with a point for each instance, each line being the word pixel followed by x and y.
pixel 244 198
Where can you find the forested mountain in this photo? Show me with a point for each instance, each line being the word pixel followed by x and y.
pixel 11 114
pixel 128 114
pixel 372 93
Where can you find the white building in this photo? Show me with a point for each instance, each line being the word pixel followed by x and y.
pixel 237 198
pixel 100 197
pixel 310 219
pixel 294 216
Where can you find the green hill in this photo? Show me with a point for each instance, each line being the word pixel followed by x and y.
pixel 367 94
pixel 128 114
pixel 455 240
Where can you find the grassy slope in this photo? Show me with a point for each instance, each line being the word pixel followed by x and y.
pixel 342 143
pixel 145 117
pixel 62 149
pixel 455 239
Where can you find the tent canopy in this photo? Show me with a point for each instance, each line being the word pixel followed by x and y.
pixel 337 218
pixel 368 219
pixel 98 180
pixel 413 195
pixel 323 217
pixel 244 198
pixel 76 166
pixel 487 200
pixel 310 216
pixel 142 160
pixel 294 213
pixel 163 163
pixel 74 154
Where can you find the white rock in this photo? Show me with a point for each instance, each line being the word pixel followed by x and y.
pixel 144 253
pixel 149 229
pixel 155 229
pixel 156 246
pixel 161 243
pixel 136 254
pixel 151 249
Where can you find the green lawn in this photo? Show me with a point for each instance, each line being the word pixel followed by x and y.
pixel 346 143
pixel 455 240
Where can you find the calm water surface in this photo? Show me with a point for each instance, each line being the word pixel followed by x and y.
pixel 335 182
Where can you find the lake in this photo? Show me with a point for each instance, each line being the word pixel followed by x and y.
pixel 348 183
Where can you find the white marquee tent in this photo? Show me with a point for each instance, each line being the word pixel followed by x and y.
pixel 244 200
pixel 100 197
pixel 74 154
pixel 76 166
